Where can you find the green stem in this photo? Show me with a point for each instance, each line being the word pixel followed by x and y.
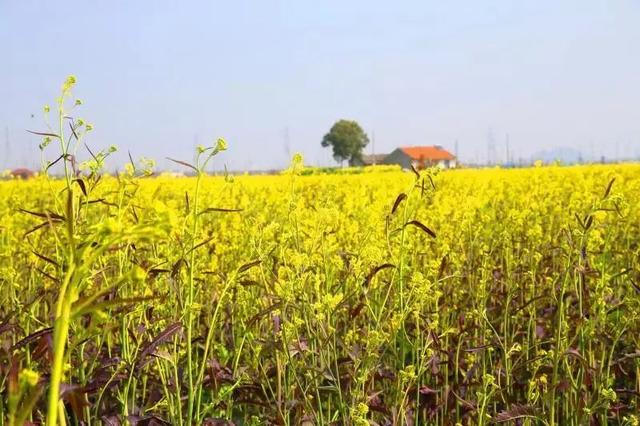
pixel 192 393
pixel 60 334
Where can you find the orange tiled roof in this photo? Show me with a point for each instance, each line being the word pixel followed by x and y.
pixel 427 153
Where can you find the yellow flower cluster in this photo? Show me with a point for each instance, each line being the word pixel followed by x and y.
pixel 321 293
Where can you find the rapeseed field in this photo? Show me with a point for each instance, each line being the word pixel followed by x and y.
pixel 465 297
pixel 371 297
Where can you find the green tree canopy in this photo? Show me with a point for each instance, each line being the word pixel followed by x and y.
pixel 347 139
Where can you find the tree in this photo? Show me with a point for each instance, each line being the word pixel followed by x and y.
pixel 347 139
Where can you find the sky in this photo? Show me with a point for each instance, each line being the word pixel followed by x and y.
pixel 271 77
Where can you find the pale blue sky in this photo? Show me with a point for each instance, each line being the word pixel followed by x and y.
pixel 157 76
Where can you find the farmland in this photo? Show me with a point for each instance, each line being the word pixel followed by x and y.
pixel 386 297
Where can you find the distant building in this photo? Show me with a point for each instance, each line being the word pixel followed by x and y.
pixel 370 160
pixel 421 157
pixel 22 173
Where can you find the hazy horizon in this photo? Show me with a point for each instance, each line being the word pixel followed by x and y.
pixel 272 77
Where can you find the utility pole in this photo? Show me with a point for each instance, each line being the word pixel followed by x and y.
pixel 373 146
pixel 7 150
pixel 196 142
pixel 491 148
pixel 287 143
pixel 508 161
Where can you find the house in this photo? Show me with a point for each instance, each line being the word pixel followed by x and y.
pixel 421 157
pixel 370 160
pixel 22 173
